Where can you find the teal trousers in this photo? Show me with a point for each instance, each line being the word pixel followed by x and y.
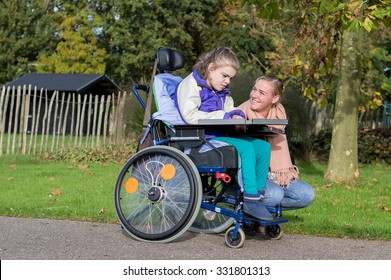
pixel 255 160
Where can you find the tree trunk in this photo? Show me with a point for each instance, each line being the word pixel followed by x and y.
pixel 343 160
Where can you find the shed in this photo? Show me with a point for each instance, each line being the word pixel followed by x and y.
pixel 79 85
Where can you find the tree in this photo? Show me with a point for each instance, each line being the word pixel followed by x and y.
pixel 135 29
pixel 78 50
pixel 343 159
pixel 324 25
pixel 255 40
pixel 26 29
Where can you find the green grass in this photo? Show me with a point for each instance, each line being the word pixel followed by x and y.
pixel 31 188
pixel 59 190
pixel 341 210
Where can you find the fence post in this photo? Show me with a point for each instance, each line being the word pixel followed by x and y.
pixel 37 121
pixel 89 114
pixel 4 95
pixel 59 129
pixel 83 110
pixel 25 120
pixel 386 114
pixel 106 119
pixel 99 130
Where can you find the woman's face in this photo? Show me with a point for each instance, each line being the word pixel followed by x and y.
pixel 219 77
pixel 262 97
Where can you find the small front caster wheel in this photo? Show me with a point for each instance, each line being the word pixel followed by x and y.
pixel 274 232
pixel 234 242
pixel 250 227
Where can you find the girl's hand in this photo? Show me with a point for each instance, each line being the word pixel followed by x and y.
pixel 235 114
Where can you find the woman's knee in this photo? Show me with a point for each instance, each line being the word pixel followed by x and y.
pixel 273 194
pixel 303 191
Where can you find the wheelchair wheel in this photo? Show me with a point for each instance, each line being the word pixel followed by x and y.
pixel 236 242
pixel 211 222
pixel 158 194
pixel 274 232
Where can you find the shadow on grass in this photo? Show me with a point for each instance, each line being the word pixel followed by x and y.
pixel 311 169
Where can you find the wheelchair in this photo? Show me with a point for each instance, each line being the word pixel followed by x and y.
pixel 178 180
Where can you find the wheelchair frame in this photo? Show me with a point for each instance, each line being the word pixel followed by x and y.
pixel 161 191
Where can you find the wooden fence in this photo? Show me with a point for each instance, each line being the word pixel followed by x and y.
pixel 322 117
pixel 33 121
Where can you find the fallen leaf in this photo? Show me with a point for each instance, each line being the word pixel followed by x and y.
pixel 83 166
pixel 101 211
pixel 13 166
pixel 52 179
pixel 384 207
pixel 56 192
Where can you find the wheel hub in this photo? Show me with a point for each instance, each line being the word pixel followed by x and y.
pixel 156 194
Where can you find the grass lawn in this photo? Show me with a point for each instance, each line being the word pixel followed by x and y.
pixel 60 190
pixel 344 211
pixel 85 191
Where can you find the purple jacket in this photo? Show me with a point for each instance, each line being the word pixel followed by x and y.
pixel 196 100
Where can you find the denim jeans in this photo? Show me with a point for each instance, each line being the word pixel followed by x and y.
pixel 297 195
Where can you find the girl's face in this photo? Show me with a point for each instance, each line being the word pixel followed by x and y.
pixel 219 77
pixel 262 96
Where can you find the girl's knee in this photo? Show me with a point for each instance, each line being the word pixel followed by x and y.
pixel 261 144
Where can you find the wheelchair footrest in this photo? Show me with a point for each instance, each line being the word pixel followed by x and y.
pixel 275 221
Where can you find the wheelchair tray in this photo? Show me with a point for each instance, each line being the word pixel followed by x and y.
pixel 240 126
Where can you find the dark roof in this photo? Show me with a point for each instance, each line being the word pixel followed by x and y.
pixel 67 82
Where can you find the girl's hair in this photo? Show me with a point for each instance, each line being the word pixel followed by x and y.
pixel 277 84
pixel 219 57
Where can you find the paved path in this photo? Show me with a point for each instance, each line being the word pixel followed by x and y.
pixel 44 239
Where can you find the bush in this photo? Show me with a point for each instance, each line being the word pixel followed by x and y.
pixel 374 145
pixel 118 153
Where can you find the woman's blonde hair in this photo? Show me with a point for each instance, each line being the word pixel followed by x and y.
pixel 219 57
pixel 277 84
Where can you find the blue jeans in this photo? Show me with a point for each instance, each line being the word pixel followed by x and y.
pixel 299 194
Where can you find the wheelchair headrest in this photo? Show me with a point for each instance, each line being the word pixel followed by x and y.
pixel 169 60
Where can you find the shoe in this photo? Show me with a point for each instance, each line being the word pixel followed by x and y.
pixel 257 210
pixel 253 207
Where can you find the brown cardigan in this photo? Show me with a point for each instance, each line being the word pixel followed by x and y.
pixel 280 161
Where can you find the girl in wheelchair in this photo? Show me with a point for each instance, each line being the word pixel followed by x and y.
pixel 204 94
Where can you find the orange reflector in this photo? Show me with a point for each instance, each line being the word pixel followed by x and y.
pixel 168 171
pixel 131 185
